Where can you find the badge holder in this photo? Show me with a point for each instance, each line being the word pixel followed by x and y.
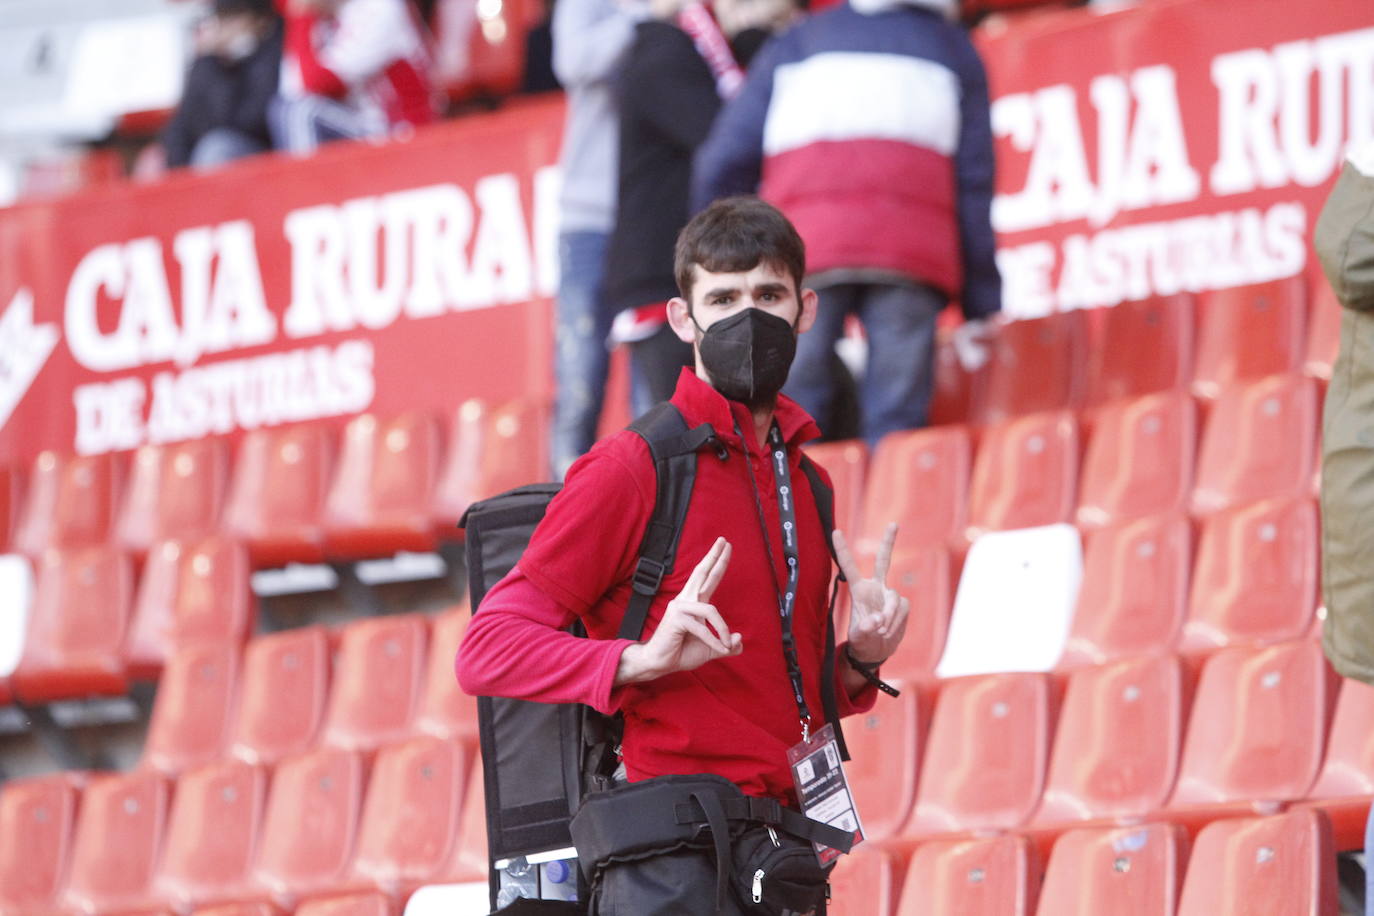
pixel 822 789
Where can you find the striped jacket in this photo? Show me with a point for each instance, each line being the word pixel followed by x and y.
pixel 871 132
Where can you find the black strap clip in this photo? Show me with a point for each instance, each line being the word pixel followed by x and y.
pixel 648 576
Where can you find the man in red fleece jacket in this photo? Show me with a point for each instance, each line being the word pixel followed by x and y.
pixel 350 69
pixel 708 690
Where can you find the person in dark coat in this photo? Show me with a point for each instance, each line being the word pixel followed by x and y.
pixel 223 111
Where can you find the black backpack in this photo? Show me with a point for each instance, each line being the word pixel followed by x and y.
pixel 540 759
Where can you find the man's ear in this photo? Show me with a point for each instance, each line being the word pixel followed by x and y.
pixel 680 318
pixel 809 303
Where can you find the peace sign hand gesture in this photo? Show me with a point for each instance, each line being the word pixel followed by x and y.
pixel 691 633
pixel 877 614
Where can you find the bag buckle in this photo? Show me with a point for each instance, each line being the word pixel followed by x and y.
pixel 648 576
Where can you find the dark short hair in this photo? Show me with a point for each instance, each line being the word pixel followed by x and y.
pixel 736 234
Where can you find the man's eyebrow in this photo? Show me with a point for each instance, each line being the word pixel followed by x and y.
pixel 722 291
pixel 771 287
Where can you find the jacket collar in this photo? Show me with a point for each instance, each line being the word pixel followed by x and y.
pixel 700 403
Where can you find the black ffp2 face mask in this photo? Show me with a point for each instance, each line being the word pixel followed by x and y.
pixel 747 355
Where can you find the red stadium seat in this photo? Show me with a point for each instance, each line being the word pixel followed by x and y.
pixel 190 592
pixel 489 450
pixel 984 763
pixel 918 479
pixel 75 644
pixel 410 822
pixel 378 678
pixel 1036 365
pixel 1323 332
pixel 11 500
pixel 1345 786
pixel 992 876
pixel 1257 444
pixel 1117 747
pixel 1134 593
pixel 379 502
pixel 1025 474
pixel 277 494
pixel 212 833
pixel 71 502
pixel 174 491
pixel 923 577
pixel 847 464
pixel 480 53
pixel 118 840
pixel 445 710
pixel 884 745
pixel 1257 729
pixel 364 904
pixel 958 392
pixel 284 684
pixel 1124 871
pixel 1145 346
pixel 238 908
pixel 189 726
pixel 1286 861
pixel 1139 460
pixel 470 858
pixel 37 820
pixel 1247 332
pixel 863 883
pixel 1255 579
pixel 310 824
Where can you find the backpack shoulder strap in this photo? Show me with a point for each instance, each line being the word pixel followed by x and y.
pixel 825 508
pixel 673 448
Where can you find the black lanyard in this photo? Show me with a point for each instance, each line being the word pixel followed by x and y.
pixel 787 598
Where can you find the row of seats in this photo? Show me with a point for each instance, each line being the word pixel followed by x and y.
pixel 1279 864
pixel 1087 358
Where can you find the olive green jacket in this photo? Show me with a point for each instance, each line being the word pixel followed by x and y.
pixel 1344 241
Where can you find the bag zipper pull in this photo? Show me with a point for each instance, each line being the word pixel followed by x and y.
pixel 758 885
pixel 773 835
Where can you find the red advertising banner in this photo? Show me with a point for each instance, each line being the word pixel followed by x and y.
pixel 1171 145
pixel 386 278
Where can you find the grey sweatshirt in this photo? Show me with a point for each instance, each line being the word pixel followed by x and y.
pixel 589 39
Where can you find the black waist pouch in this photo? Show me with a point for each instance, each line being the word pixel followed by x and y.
pixel 763 858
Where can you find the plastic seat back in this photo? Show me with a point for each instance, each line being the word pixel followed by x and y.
pixel 918 479
pixel 379 502
pixel 469 861
pixel 377 682
pixel 118 840
pixel 190 723
pixel 71 502
pixel 1285 860
pixel 863 884
pixel 1117 745
pixel 212 833
pixel 37 821
pixel 1247 332
pixel 1255 579
pixel 277 494
pixel 1139 460
pixel 356 904
pixel 1134 593
pixel 1037 364
pixel 984 762
pixel 1026 473
pixel 174 491
pixel 847 464
pixel 284 685
pixel 410 819
pixel 310 824
pixel 1124 871
pixel 1258 444
pixel 445 710
pixel 1323 332
pixel 489 450
pixel 1258 726
pixel 75 643
pixel 958 393
pixel 479 51
pixel 1346 781
pixel 190 592
pixel 1145 346
pixel 884 750
pixel 992 876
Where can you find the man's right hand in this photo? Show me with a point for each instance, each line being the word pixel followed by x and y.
pixel 691 633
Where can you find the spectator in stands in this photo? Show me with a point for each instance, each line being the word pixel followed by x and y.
pixel 678 69
pixel 868 124
pixel 351 69
pixel 590 38
pixel 1344 241
pixel 223 111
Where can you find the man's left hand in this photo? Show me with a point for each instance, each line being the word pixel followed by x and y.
pixel 877 614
